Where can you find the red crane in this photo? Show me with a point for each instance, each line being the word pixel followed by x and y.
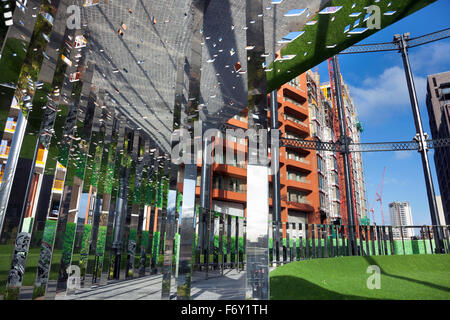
pixel 373 212
pixel 380 196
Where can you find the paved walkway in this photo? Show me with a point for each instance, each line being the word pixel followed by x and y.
pixel 230 286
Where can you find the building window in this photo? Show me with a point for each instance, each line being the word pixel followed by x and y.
pixel 296 176
pixel 297 196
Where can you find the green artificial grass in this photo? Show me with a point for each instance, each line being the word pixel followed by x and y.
pixel 410 277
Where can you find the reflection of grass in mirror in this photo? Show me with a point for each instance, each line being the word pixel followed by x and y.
pixel 34 123
pixel 68 242
pixel 9 64
pixel 5 260
pixel 31 267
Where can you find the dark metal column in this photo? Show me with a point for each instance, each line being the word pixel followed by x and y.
pixel 345 140
pixel 275 158
pixel 205 201
pixel 420 135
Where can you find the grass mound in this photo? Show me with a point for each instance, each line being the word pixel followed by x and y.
pixel 410 277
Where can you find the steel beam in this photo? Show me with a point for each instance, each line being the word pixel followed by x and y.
pixel 401 40
pixel 345 140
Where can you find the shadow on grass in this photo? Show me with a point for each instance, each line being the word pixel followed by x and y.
pixel 293 288
pixel 371 261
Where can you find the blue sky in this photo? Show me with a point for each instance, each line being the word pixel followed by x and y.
pixel 378 87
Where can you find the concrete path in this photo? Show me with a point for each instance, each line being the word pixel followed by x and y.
pixel 230 286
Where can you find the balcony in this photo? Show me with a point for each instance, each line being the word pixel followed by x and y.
pixel 303 164
pixel 10 126
pixel 301 129
pixel 4 151
pixel 295 105
pixel 40 159
pixel 240 123
pixel 302 206
pixel 240 171
pixel 295 92
pixel 304 185
pixel 300 122
pixel 58 186
pixel 229 195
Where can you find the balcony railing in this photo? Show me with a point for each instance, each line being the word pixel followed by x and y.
pixel 10 126
pixel 40 156
pixel 297 179
pixel 302 201
pixel 297 121
pixel 58 185
pixel 4 151
pixel 287 99
pixel 231 189
pixel 299 159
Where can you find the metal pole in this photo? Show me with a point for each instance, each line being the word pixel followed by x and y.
pixel 275 155
pixel 345 140
pixel 420 135
pixel 257 256
pixel 11 164
pixel 205 203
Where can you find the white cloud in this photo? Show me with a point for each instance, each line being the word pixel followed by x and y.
pixel 379 96
pixel 431 58
pixel 400 155
pixel 384 94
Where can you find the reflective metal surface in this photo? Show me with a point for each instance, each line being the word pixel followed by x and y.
pixel 86 183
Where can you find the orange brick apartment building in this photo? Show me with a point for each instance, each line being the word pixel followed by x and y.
pixel 308 178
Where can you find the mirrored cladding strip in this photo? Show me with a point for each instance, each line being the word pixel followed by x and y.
pixel 112 186
pixel 132 213
pixel 164 192
pixel 121 185
pixel 169 243
pixel 171 225
pixel 187 232
pixel 151 193
pixel 140 199
pixel 97 255
pixel 21 118
pixel 103 198
pixel 76 139
pixel 20 23
pixel 123 208
pixel 134 200
pixel 188 217
pixel 16 49
pixel 45 187
pixel 88 205
pixel 78 204
pixel 257 174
